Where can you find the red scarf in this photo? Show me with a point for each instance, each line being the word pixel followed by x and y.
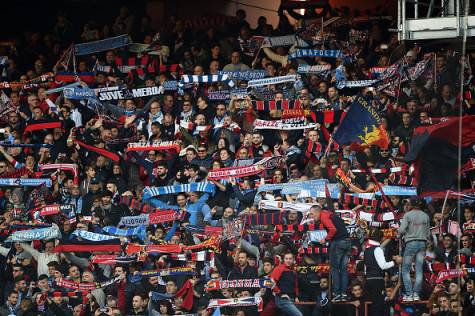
pixel 100 151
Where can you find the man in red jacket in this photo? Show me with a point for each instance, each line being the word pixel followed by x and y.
pixel 340 246
pixel 286 288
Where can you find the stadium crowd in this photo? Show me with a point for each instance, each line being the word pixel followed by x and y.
pixel 206 169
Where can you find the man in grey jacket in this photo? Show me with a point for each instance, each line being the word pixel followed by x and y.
pixel 415 229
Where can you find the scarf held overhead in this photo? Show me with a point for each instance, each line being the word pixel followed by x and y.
pixel 204 186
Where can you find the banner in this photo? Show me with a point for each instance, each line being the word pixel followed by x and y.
pixel 287 124
pixel 129 93
pixel 102 45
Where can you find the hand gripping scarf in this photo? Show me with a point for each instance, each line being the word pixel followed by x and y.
pixel 146 146
pixel 204 186
pixel 90 286
pixel 139 231
pixel 215 285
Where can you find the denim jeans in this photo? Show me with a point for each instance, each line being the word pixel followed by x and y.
pixel 339 252
pixel 287 307
pixel 413 249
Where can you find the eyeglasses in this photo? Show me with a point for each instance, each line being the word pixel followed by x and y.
pixel 220 109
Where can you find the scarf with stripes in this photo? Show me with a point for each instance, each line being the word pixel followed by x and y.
pixel 301 228
pixel 272 218
pixel 244 75
pixel 100 151
pixel 285 206
pixel 199 256
pixel 313 250
pixel 281 186
pixel 206 231
pixel 215 285
pixel 287 124
pixel 304 53
pixel 313 69
pixel 139 231
pixel 312 149
pixel 401 179
pixel 71 167
pixel 275 105
pixel 89 286
pixel 204 186
pixel 271 81
pixel 158 217
pixel 157 146
pixel 204 79
pixel 352 200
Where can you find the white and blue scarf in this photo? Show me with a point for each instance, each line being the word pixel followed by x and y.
pixel 76 93
pixel 205 186
pixel 314 69
pixel 59 89
pixel 203 79
pixel 269 81
pixel 304 53
pixel 245 75
pixel 92 236
pixel 139 231
pixel 36 234
pixel 18 182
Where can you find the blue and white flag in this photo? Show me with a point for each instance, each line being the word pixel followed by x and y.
pixel 59 89
pixel 36 234
pixel 205 186
pixel 102 45
pixel 92 236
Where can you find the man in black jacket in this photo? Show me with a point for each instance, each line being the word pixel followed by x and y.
pixel 243 270
pixel 375 264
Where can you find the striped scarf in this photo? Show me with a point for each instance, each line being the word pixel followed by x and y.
pixel 204 186
pixel 139 231
pixel 328 116
pixel 204 79
pixel 275 105
pixel 403 180
pixel 234 302
pixel 273 218
pixel 19 182
pixel 355 201
pixel 63 166
pixel 18 173
pixel 244 75
pixel 312 148
pixel 301 228
pixel 313 250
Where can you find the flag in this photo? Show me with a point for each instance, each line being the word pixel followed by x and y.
pixel 434 149
pixel 362 125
